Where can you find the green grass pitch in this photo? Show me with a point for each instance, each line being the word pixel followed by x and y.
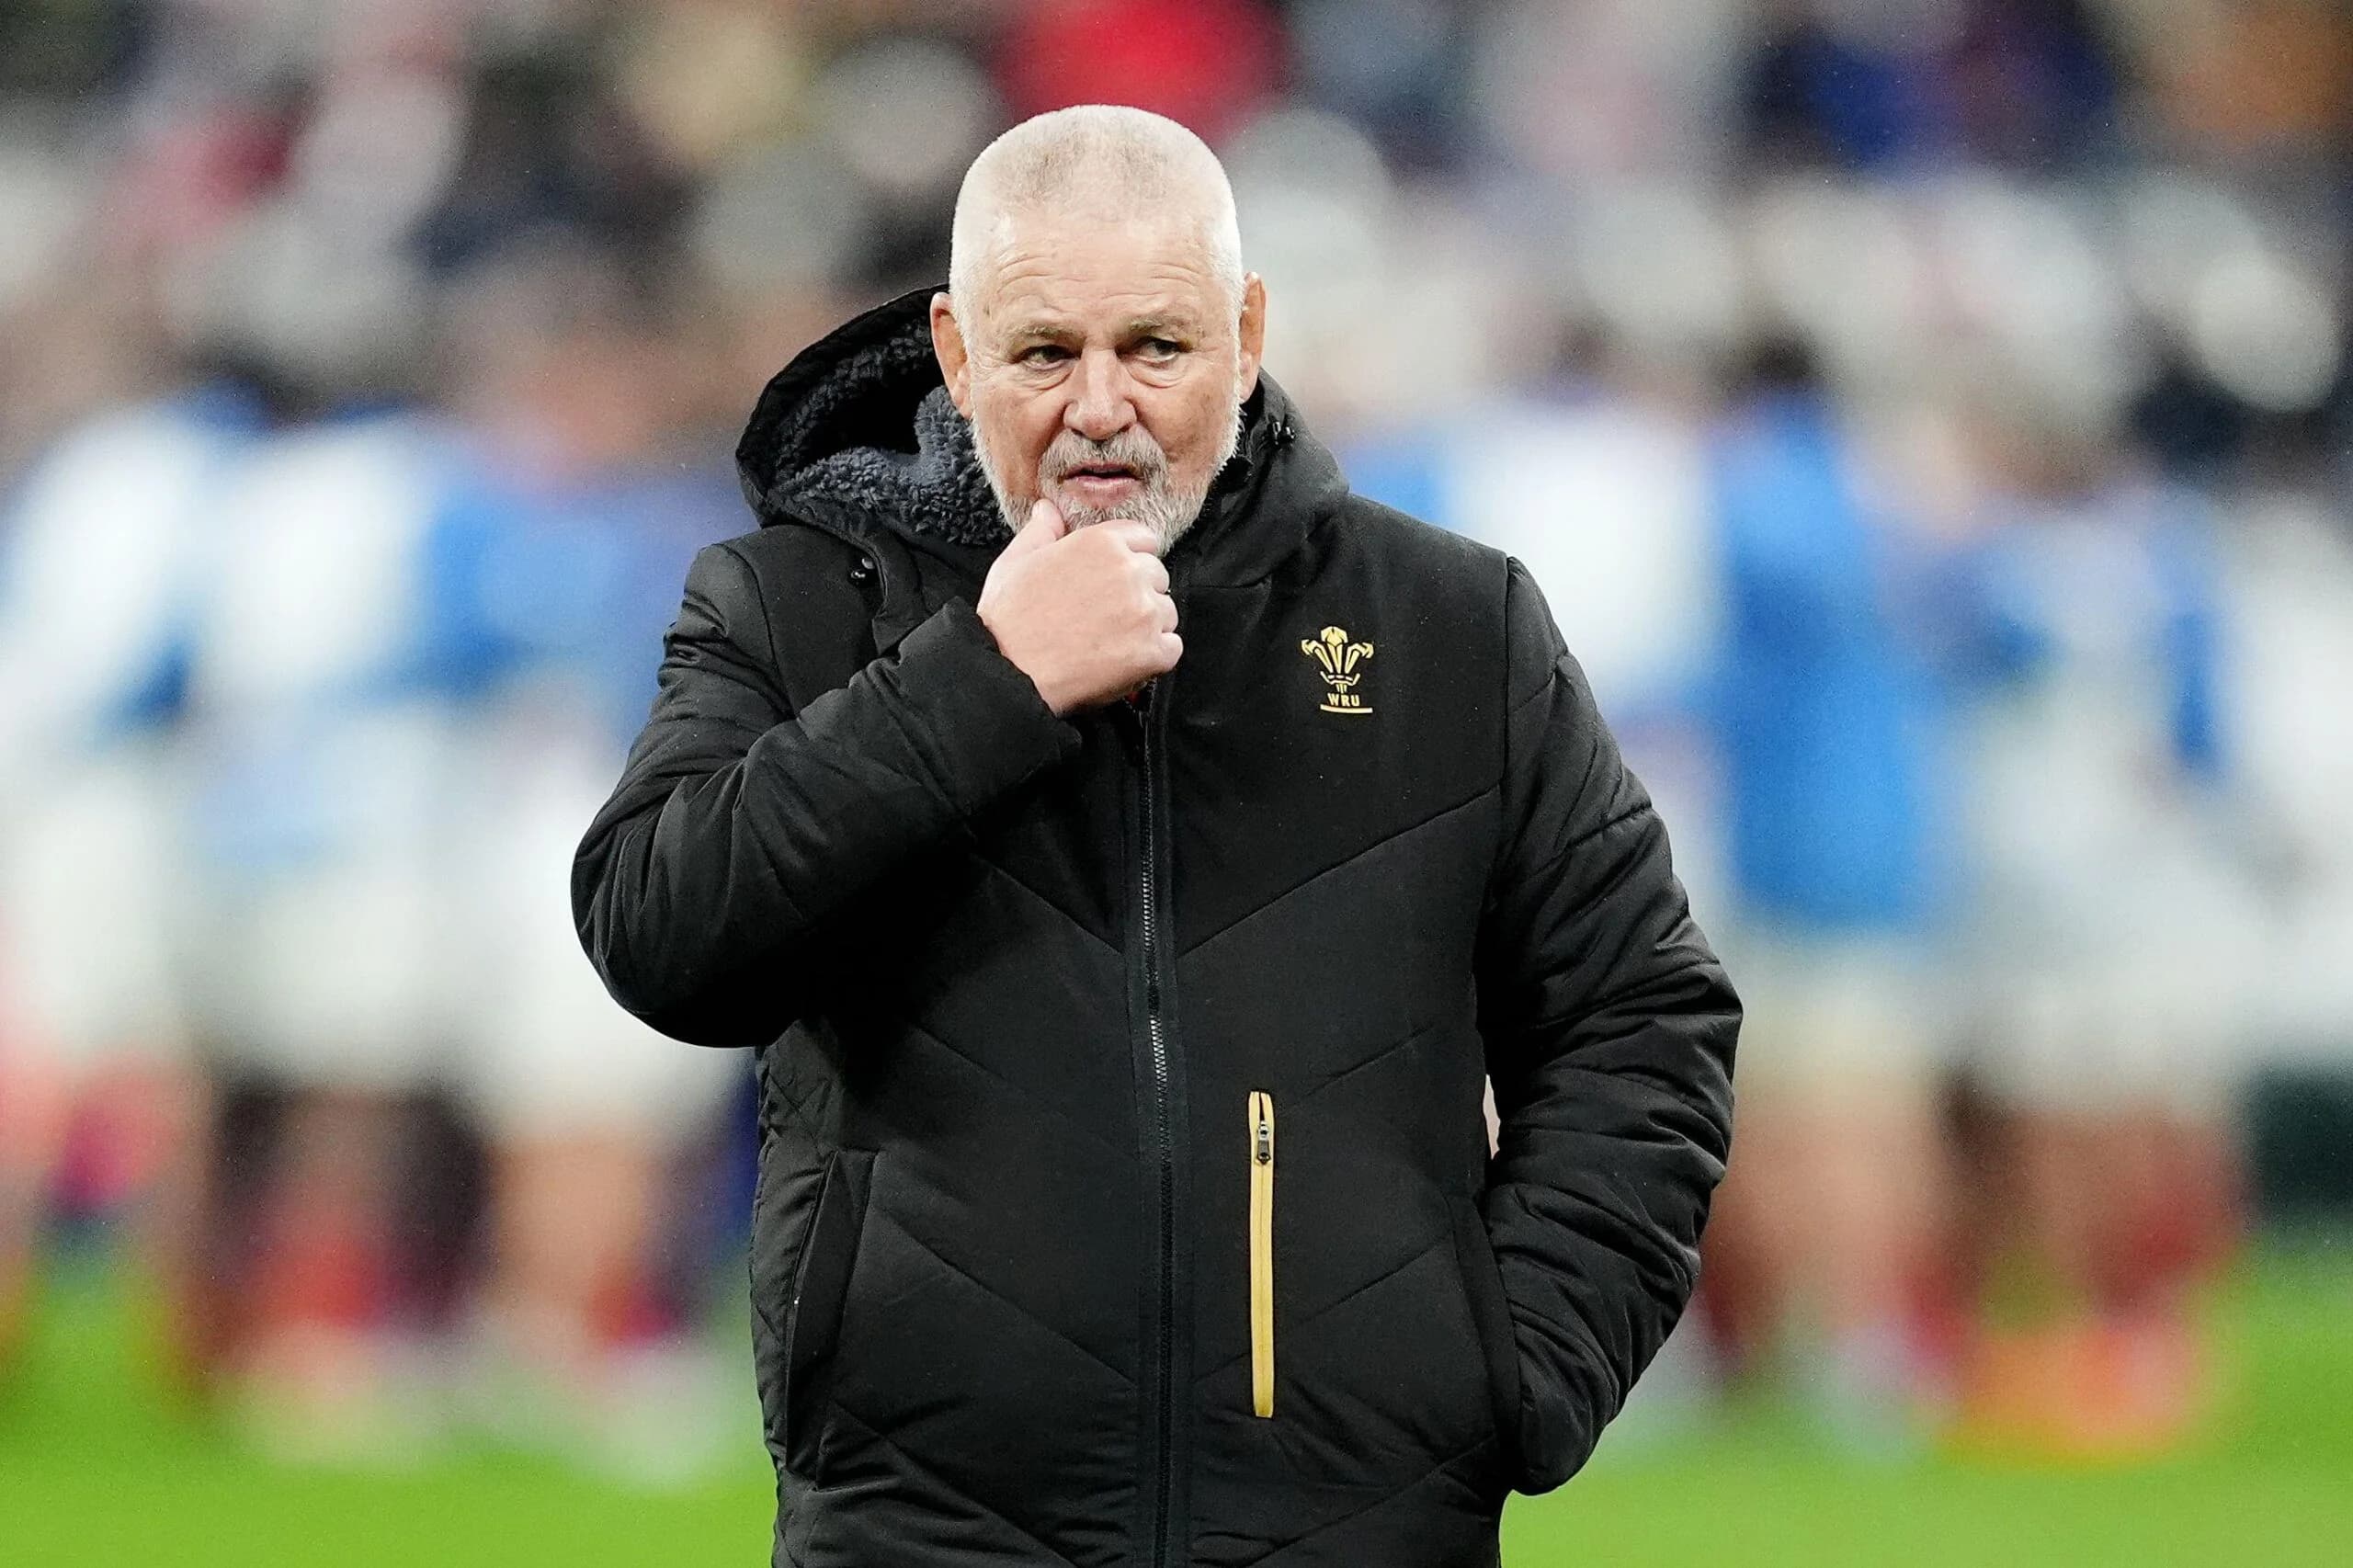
pixel 95 1469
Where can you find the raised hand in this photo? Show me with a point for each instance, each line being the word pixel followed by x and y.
pixel 1084 613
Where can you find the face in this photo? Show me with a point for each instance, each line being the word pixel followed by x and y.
pixel 1104 369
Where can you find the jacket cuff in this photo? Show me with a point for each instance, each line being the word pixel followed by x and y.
pixel 990 730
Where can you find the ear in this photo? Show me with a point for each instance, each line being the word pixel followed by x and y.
pixel 955 358
pixel 1254 335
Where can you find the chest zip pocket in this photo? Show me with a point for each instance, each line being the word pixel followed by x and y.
pixel 1262 1253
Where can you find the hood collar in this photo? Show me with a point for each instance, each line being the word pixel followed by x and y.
pixel 858 432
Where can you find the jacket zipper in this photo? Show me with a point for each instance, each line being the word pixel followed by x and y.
pixel 1262 1253
pixel 1163 1097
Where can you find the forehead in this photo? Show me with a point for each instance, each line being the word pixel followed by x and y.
pixel 1067 272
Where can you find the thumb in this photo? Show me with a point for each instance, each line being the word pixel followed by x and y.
pixel 1044 527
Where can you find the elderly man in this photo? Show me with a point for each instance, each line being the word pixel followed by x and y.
pixel 1128 853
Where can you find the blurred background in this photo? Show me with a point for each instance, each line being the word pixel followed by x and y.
pixel 1928 420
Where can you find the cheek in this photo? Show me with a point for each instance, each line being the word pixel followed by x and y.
pixel 1017 429
pixel 1185 423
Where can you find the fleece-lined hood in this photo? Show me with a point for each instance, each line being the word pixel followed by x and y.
pixel 858 429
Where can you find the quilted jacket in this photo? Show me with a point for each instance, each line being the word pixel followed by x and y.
pixel 1124 1192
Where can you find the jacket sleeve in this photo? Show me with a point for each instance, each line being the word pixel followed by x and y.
pixel 1609 1031
pixel 712 888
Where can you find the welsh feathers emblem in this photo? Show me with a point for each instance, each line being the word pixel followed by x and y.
pixel 1339 659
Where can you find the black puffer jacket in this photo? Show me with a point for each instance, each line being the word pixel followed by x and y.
pixel 1121 1073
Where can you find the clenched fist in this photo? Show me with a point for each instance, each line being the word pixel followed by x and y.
pixel 1085 615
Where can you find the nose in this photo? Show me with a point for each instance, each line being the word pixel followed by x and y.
pixel 1100 405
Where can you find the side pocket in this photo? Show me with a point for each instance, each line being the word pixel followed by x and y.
pixel 1482 1282
pixel 813 1326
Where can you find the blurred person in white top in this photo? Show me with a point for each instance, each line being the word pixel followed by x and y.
pixel 319 749
pixel 2288 668
pixel 2117 937
pixel 97 543
pixel 403 703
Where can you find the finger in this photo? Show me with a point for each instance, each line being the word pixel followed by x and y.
pixel 1155 575
pixel 1170 648
pixel 1136 536
pixel 1044 527
pixel 1164 613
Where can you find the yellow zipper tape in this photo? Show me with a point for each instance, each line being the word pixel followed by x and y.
pixel 1262 1253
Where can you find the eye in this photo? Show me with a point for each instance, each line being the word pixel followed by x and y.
pixel 1043 354
pixel 1160 348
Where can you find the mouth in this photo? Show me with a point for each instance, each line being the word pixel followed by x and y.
pixel 1102 481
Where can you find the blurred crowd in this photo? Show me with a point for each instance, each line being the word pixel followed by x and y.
pixel 1927 418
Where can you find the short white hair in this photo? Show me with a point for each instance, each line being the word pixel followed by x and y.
pixel 1118 161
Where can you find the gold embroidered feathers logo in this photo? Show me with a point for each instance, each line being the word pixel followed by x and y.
pixel 1339 659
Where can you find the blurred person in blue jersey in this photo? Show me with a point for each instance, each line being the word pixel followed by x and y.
pixel 98 542
pixel 560 530
pixel 1829 723
pixel 2116 937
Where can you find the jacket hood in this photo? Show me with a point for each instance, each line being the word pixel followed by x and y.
pixel 859 430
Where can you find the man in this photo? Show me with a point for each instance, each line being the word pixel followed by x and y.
pixel 1126 913
pixel 561 530
pixel 99 546
pixel 1829 716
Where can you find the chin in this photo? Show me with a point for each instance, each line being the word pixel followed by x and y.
pixel 1080 514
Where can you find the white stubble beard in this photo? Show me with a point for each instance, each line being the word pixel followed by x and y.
pixel 1162 507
